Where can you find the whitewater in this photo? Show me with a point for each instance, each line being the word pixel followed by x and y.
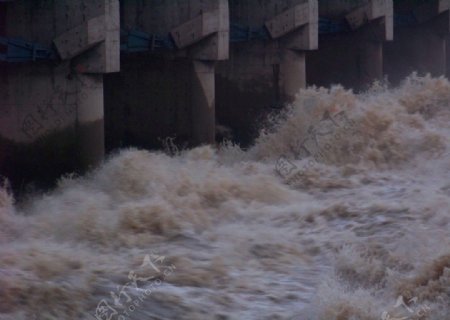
pixel 340 210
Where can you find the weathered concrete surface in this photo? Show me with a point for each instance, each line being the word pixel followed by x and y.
pixel 423 47
pixel 150 99
pixel 90 119
pixel 350 59
pixel 339 8
pixel 40 161
pixel 247 88
pixel 353 59
pixel 292 73
pixel 169 94
pixel 203 102
pixel 37 125
pixel 161 17
pixel 417 49
pixel 49 107
pixel 51 113
pixel 262 75
pixel 37 102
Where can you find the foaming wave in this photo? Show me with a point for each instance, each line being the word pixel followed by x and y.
pixel 383 126
pixel 365 223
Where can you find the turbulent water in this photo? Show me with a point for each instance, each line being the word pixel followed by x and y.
pixel 340 210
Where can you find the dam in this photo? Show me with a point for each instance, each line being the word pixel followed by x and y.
pixel 224 159
pixel 82 78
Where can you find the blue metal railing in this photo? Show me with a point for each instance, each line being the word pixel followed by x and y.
pixel 139 41
pixel 20 50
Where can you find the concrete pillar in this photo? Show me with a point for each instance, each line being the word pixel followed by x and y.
pixel 353 58
pixel 38 106
pixel 90 120
pixel 292 73
pixel 267 61
pixel 203 102
pixel 51 112
pixel 170 92
pixel 248 87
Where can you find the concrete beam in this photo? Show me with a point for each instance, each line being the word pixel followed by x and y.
pixel 200 29
pixel 104 57
pixel 373 10
pixel 292 18
pixel 81 38
pixel 215 47
pixel 195 29
pixel 305 37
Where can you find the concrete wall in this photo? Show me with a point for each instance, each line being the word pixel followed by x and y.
pixel 169 93
pixel 248 88
pixel 337 9
pixel 417 48
pixel 37 126
pixel 262 75
pixel 148 100
pixel 354 58
pixel 422 47
pixel 52 111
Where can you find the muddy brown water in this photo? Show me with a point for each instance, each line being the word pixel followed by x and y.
pixel 351 222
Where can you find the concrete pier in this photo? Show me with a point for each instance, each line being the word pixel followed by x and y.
pixel 421 44
pixel 203 104
pixel 52 110
pixel 90 120
pixel 353 57
pixel 80 78
pixel 292 73
pixel 168 90
pixel 267 60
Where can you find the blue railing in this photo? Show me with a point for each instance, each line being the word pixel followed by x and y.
pixel 19 50
pixel 139 41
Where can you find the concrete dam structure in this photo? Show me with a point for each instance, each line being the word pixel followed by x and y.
pixel 80 78
pixel 224 160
